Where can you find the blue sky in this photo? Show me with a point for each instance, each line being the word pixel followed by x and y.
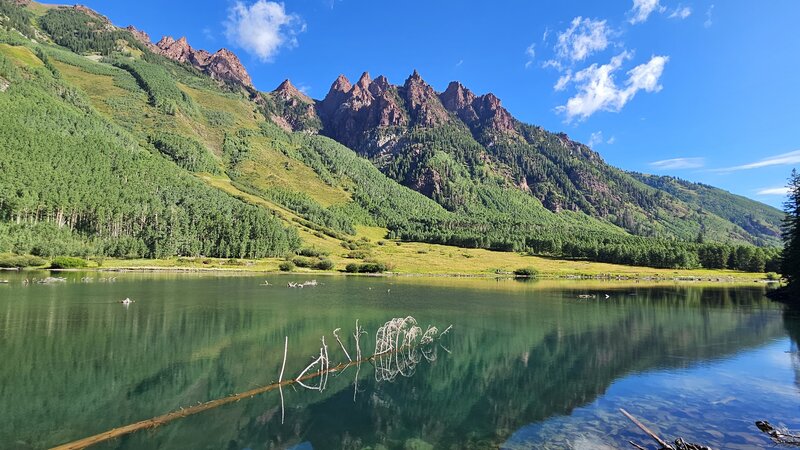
pixel 701 89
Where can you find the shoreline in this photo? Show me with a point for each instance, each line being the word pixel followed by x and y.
pixel 649 274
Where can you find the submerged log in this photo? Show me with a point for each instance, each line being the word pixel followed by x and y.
pixel 679 443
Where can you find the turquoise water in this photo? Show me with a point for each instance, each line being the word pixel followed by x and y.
pixel 526 365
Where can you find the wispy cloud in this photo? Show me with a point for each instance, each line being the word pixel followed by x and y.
pixel 783 159
pixel 563 81
pixel 595 138
pixel 678 163
pixel 583 38
pixel 531 53
pixel 262 28
pixel 681 12
pixel 598 91
pixel 709 17
pixel 774 191
pixel 304 88
pixel 642 10
pixel 208 34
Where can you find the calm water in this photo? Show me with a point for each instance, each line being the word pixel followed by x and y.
pixel 530 364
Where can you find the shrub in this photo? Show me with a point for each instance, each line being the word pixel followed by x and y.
pixel 12 261
pixel 303 262
pixel 68 262
pixel 286 266
pixel 372 267
pixel 358 254
pixel 312 252
pixel 526 272
pixel 368 267
pixel 773 276
pixel 324 264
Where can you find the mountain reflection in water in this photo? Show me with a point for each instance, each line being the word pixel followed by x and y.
pixel 530 364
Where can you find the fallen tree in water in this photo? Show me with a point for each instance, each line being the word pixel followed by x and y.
pixel 679 444
pixel 399 336
pixel 782 437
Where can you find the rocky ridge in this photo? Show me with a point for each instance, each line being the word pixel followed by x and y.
pixel 223 65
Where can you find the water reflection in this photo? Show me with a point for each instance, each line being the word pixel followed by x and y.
pixel 522 354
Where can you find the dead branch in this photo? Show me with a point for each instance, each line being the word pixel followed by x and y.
pixel 280 377
pixel 336 335
pixel 783 437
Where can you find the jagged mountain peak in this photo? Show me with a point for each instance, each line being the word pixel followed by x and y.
pixel 287 91
pixel 223 65
pixel 341 84
pixel 364 81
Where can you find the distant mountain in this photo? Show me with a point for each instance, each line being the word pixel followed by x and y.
pixel 454 145
pixel 115 145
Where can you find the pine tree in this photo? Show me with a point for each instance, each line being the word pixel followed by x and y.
pixel 790 264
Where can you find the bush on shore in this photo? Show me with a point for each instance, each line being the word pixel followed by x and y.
pixel 9 261
pixel 68 262
pixel 526 272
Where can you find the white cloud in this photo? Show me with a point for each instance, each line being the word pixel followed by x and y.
pixel 678 163
pixel 783 159
pixel 643 8
pixel 681 12
pixel 459 63
pixel 583 38
pixel 774 191
pixel 595 138
pixel 709 20
pixel 531 52
pixel 553 63
pixel 262 28
pixel 598 91
pixel 563 80
pixel 611 140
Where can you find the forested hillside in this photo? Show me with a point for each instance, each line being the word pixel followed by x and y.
pixel 112 147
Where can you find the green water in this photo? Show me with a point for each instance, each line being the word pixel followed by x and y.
pixel 530 365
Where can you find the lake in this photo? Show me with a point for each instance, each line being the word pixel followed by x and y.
pixel 526 364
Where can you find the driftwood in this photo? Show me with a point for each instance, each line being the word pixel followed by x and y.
pixel 782 437
pixel 679 443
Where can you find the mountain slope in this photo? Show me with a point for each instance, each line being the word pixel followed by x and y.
pixel 453 145
pixel 264 168
pixel 754 217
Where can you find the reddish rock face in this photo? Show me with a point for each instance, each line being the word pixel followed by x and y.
pixel 423 102
pixel 176 50
pixel 287 92
pixel 297 112
pixel 483 111
pixel 142 37
pixel 358 114
pixel 223 65
pixel 351 111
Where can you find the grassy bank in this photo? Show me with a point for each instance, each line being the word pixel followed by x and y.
pixel 427 259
